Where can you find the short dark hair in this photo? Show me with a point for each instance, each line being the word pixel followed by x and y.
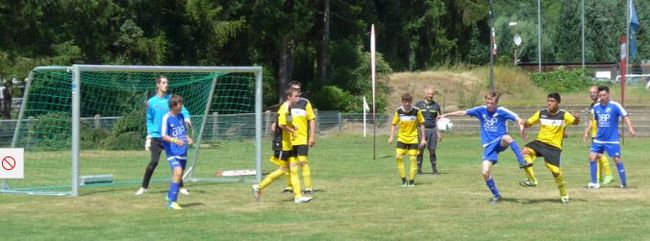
pixel 603 88
pixel 407 97
pixel 493 94
pixel 175 100
pixel 555 96
pixel 294 82
pixel 160 77
pixel 289 91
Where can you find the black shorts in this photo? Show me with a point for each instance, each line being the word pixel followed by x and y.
pixel 301 150
pixel 402 145
pixel 276 145
pixel 550 153
pixel 284 155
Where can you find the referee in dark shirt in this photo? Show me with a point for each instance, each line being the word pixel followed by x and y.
pixel 430 111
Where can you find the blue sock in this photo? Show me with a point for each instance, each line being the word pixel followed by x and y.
pixel 621 173
pixel 517 151
pixel 593 170
pixel 173 191
pixel 493 187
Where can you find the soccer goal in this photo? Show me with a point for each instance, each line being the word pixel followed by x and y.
pixel 83 126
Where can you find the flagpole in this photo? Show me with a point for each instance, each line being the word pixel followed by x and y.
pixel 627 62
pixel 373 70
pixel 492 47
pixel 627 53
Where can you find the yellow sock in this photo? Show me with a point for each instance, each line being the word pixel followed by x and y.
pixel 295 180
pixel 413 166
pixel 288 175
pixel 271 177
pixel 530 173
pixel 599 168
pixel 306 171
pixel 400 167
pixel 604 162
pixel 559 179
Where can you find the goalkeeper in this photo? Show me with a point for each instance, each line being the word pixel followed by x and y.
pixel 157 107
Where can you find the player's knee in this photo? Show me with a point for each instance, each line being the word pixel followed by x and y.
pixel 485 174
pixel 507 138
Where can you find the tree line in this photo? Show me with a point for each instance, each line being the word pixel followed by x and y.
pixel 323 43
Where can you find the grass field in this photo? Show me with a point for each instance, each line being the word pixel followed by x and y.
pixel 357 198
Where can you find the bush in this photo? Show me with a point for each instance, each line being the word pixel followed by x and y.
pixel 125 141
pixel 128 132
pixel 562 80
pixel 350 79
pixel 93 138
pixel 333 98
pixel 51 131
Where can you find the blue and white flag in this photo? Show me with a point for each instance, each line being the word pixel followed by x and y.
pixel 634 26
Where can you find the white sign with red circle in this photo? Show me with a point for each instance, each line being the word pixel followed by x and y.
pixel 12 163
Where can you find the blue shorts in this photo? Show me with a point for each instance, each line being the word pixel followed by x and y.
pixel 177 161
pixel 612 150
pixel 491 151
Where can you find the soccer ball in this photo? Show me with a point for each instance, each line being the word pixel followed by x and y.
pixel 444 124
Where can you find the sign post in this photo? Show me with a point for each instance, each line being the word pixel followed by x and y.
pixel 12 163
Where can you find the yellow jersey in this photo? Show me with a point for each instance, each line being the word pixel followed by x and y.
pixel 408 122
pixel 285 119
pixel 552 126
pixel 302 113
pixel 593 121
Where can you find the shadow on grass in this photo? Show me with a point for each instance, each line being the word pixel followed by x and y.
pixel 187 205
pixel 97 191
pixel 537 201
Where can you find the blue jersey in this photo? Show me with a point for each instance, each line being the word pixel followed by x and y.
pixel 174 127
pixel 606 117
pixel 157 107
pixel 493 125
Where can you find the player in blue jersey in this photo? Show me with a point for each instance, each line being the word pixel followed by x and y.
pixel 606 115
pixel 176 142
pixel 157 107
pixel 494 136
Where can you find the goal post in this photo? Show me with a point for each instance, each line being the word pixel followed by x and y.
pixel 102 109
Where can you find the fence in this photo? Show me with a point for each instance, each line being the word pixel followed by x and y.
pixel 241 126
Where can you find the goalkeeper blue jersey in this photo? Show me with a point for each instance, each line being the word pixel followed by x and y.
pixel 157 107
pixel 606 117
pixel 493 125
pixel 174 127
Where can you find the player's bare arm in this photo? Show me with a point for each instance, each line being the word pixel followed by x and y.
pixel 630 129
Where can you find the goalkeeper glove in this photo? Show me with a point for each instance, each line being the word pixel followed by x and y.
pixel 147 145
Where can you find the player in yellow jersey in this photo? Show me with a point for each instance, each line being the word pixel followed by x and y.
pixel 548 144
pixel 604 171
pixel 407 118
pixel 304 120
pixel 288 133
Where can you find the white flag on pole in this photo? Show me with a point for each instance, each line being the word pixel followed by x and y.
pixel 366 107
